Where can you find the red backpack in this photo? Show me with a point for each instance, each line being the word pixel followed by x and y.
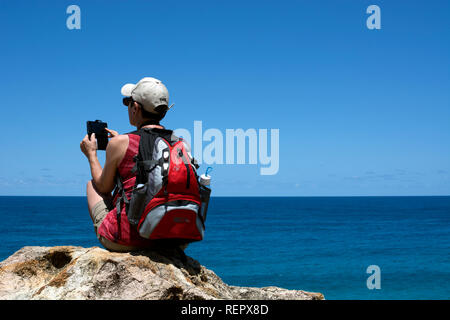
pixel 166 200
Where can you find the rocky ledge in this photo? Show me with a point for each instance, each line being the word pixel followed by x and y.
pixel 69 272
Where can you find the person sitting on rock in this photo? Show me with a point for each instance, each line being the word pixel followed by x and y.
pixel 147 102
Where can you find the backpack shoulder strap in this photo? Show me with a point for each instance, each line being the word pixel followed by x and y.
pixel 144 159
pixel 148 138
pixel 122 197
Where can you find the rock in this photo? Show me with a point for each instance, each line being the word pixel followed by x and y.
pixel 93 273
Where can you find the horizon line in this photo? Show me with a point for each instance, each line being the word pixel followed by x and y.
pixel 275 196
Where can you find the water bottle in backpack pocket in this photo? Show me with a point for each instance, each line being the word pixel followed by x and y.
pixel 205 193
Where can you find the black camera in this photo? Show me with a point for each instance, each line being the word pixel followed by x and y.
pixel 98 127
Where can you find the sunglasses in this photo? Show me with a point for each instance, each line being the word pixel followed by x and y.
pixel 127 100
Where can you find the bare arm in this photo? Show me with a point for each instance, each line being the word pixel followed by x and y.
pixel 103 179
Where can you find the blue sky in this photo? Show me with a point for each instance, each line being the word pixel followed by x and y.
pixel 359 111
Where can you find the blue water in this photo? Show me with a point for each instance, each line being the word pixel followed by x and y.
pixel 322 244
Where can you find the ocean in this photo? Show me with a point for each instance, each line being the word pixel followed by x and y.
pixel 320 244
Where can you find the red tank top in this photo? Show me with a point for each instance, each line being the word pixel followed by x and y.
pixel 108 228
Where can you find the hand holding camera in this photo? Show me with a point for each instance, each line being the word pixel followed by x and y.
pixel 97 128
pixel 96 138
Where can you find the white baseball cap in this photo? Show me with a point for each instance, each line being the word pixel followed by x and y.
pixel 151 93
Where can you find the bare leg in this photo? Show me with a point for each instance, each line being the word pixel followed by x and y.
pixel 93 197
